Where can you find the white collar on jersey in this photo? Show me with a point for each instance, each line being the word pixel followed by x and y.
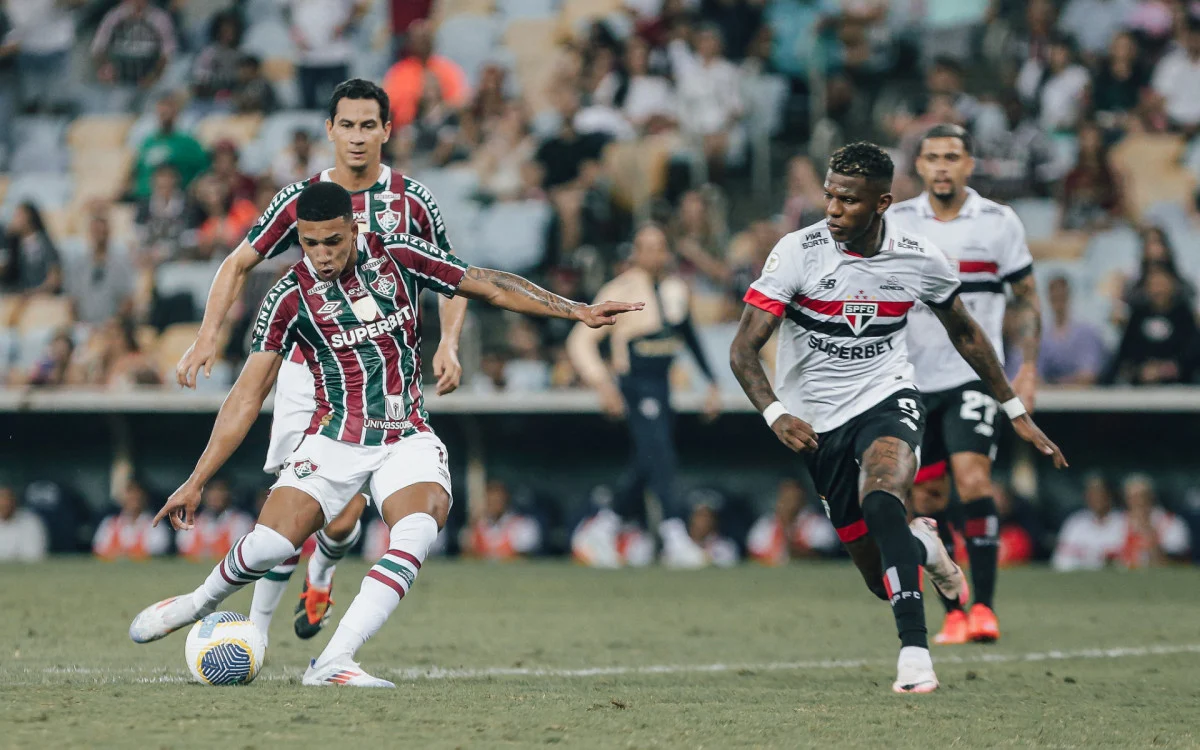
pixel 385 175
pixel 970 206
pixel 360 247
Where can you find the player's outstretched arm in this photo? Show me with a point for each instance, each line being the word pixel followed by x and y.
pixel 755 328
pixel 226 287
pixel 972 343
pixel 511 292
pixel 237 415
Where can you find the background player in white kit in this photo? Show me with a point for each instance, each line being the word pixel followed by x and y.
pixel 351 305
pixel 986 242
pixel 384 201
pixel 846 397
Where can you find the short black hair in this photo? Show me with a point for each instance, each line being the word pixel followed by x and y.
pixel 865 160
pixel 359 88
pixel 322 201
pixel 949 130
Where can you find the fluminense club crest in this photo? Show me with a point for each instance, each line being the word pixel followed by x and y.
pixel 384 284
pixel 387 220
pixel 304 468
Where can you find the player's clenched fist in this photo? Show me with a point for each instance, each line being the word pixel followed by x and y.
pixel 795 433
pixel 1031 433
pixel 180 508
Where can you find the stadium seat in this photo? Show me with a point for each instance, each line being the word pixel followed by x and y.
pixel 4 183
pixel 1115 250
pixel 145 125
pixel 766 96
pixel 468 40
pixel 99 131
pixel 121 223
pixel 531 38
pixel 638 170
pixel 241 129
pixel 512 10
pixel 278 69
pixel 269 38
pixel 1153 170
pixel 186 277
pixel 715 340
pixel 1039 215
pixel 447 9
pixel 32 343
pixel 45 311
pixel 173 342
pixel 513 235
pixel 576 15
pixel 43 190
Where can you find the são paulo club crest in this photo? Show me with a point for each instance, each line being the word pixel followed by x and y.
pixel 859 314
pixel 384 284
pixel 387 220
pixel 304 468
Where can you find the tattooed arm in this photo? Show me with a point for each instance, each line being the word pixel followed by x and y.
pixel 1026 310
pixel 755 328
pixel 971 342
pixel 511 292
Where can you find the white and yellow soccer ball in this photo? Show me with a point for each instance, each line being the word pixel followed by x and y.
pixel 225 648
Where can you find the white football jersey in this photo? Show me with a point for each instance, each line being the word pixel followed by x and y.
pixel 986 243
pixel 841 344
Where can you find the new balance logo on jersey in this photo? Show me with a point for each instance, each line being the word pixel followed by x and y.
pixel 859 314
pixel 826 284
pixel 329 310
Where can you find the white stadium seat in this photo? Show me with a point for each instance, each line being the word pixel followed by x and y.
pixel 468 40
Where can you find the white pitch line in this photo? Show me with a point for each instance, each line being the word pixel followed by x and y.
pixel 412 674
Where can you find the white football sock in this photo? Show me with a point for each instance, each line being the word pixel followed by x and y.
pixel 269 590
pixel 328 553
pixel 385 585
pixel 251 558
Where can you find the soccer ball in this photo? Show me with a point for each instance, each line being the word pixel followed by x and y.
pixel 225 648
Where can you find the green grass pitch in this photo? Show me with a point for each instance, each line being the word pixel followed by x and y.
pixel 535 655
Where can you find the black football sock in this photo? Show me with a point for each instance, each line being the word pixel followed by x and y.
pixel 902 556
pixel 982 530
pixel 946 533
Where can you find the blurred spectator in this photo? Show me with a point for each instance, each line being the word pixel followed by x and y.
pixel 796 26
pixel 224 217
pixel 128 533
pixel 1091 537
pixel 1157 252
pixel 29 262
pixel 1018 160
pixel 699 235
pixel 710 101
pixel 490 102
pixel 51 368
pixel 405 81
pixel 646 101
pixel 1094 23
pixel 748 251
pixel 66 514
pixel 113 358
pixel 162 219
pixel 570 165
pixel 167 146
pixel 253 94
pixel 500 533
pixel 503 161
pixel 320 30
pixel 433 135
pixel 9 89
pixel 704 529
pixel 792 531
pixel 239 185
pixel 602 540
pixel 1177 79
pixel 804 202
pixel 1152 535
pixel 102 285
pixel 740 21
pixel 404 13
pixel 300 160
pixel 133 45
pixel 215 70
pixel 22 533
pixel 1092 196
pixel 1056 85
pixel 1159 344
pixel 1118 86
pixel 1073 352
pixel 526 370
pixel 218 525
pixel 43 32
pixel 1021 536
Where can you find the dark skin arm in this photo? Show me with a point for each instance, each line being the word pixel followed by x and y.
pixel 971 342
pixel 1026 310
pixel 511 292
pixel 753 331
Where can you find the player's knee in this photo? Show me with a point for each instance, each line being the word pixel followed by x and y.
pixel 974 483
pixel 929 498
pixel 342 525
pixel 429 498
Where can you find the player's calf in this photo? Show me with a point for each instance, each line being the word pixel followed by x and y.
pixel 316 603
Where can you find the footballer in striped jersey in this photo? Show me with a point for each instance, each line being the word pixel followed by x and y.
pixel 351 307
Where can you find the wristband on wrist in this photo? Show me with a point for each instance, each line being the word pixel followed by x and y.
pixel 1014 408
pixel 774 411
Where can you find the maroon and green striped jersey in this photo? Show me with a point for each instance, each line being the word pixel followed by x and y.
pixel 395 204
pixel 360 335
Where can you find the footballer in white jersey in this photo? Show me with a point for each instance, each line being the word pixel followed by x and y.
pixel 839 293
pixel 986 243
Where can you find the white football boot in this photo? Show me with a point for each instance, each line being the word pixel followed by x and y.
pixel 914 671
pixel 163 618
pixel 680 551
pixel 341 671
pixel 595 542
pixel 943 571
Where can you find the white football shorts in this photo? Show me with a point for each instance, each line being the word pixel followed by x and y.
pixel 295 403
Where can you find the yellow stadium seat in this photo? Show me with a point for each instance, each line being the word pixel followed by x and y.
pixel 99 185
pixel 120 222
pixel 444 9
pixel 638 170
pixel 45 311
pixel 575 13
pixel 279 69
pixel 61 223
pixel 99 131
pixel 173 342
pixel 1150 165
pixel 4 182
pixel 531 37
pixel 115 160
pixel 147 338
pixel 241 129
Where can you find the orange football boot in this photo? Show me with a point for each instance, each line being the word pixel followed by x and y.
pixel 312 611
pixel 954 629
pixel 982 625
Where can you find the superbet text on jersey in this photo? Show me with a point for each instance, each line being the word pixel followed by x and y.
pixel 986 244
pixel 842 344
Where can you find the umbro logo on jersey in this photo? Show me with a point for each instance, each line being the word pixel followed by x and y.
pixel 826 284
pixel 329 310
pixel 859 314
pixel 321 287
